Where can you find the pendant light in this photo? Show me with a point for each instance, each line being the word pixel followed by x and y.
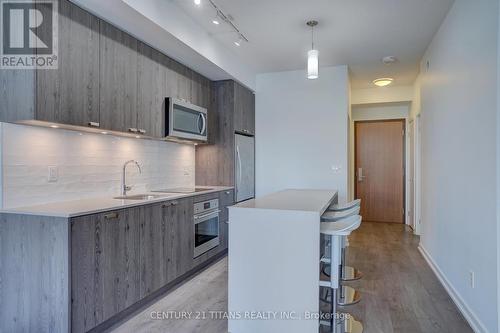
pixel 312 55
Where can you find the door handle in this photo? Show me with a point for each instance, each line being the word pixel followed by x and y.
pixel 214 214
pixel 204 126
pixel 360 175
pixel 111 216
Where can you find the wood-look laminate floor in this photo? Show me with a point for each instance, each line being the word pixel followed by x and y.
pixel 400 293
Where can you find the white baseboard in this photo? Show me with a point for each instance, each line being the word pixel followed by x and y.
pixel 476 325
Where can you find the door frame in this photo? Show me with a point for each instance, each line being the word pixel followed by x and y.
pixel 405 159
pixel 417 174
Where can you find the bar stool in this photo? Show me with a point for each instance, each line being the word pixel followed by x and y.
pixel 334 213
pixel 349 205
pixel 336 231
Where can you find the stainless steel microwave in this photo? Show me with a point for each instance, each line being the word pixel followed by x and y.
pixel 185 120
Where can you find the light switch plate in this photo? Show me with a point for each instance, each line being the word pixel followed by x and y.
pixel 53 175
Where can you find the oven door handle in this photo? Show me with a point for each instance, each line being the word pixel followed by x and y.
pixel 208 215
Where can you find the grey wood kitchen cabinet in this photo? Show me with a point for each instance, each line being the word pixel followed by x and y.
pixel 117 79
pixel 120 257
pixel 179 238
pixel 151 91
pixel 233 112
pixel 244 110
pixel 154 248
pixel 96 266
pixel 105 271
pixel 106 79
pixel 70 93
pixel 226 199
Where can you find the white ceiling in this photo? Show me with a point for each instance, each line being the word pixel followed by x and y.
pixel 353 32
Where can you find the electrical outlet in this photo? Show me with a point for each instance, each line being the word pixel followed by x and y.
pixel 472 279
pixel 53 175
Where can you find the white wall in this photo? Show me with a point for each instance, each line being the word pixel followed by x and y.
pixel 416 101
pixel 380 111
pixel 387 94
pixel 301 131
pixel 89 164
pixel 459 170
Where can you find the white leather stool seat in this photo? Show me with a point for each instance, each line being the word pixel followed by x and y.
pixel 342 227
pixel 333 216
pixel 349 205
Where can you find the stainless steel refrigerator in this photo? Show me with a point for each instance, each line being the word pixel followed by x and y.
pixel 244 172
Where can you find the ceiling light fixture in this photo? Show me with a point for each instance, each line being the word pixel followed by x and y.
pixel 221 17
pixel 197 2
pixel 216 19
pixel 383 82
pixel 312 55
pixel 389 60
pixel 239 41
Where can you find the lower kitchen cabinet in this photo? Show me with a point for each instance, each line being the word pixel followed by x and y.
pixel 105 266
pixel 226 199
pixel 179 239
pixel 120 257
pixel 154 247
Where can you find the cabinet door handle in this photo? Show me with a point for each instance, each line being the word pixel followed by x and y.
pixel 133 130
pixel 226 222
pixel 174 203
pixel 142 131
pixel 228 192
pixel 94 124
pixel 111 216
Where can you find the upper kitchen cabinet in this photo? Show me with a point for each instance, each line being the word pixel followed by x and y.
pixel 233 112
pixel 70 94
pixel 152 68
pixel 105 79
pixel 117 79
pixel 244 110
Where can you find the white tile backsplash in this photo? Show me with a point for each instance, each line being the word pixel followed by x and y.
pixel 89 165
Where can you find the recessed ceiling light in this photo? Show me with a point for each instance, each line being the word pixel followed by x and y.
pixel 382 82
pixel 197 2
pixel 238 42
pixel 215 21
pixel 389 60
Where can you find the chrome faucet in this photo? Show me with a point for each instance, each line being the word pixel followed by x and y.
pixel 126 188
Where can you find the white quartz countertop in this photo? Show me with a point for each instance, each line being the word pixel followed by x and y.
pixel 68 209
pixel 297 200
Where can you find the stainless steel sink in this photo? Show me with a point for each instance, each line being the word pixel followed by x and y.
pixel 141 197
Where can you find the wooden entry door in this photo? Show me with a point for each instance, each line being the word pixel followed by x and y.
pixel 379 165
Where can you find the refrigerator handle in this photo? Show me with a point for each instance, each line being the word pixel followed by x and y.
pixel 239 165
